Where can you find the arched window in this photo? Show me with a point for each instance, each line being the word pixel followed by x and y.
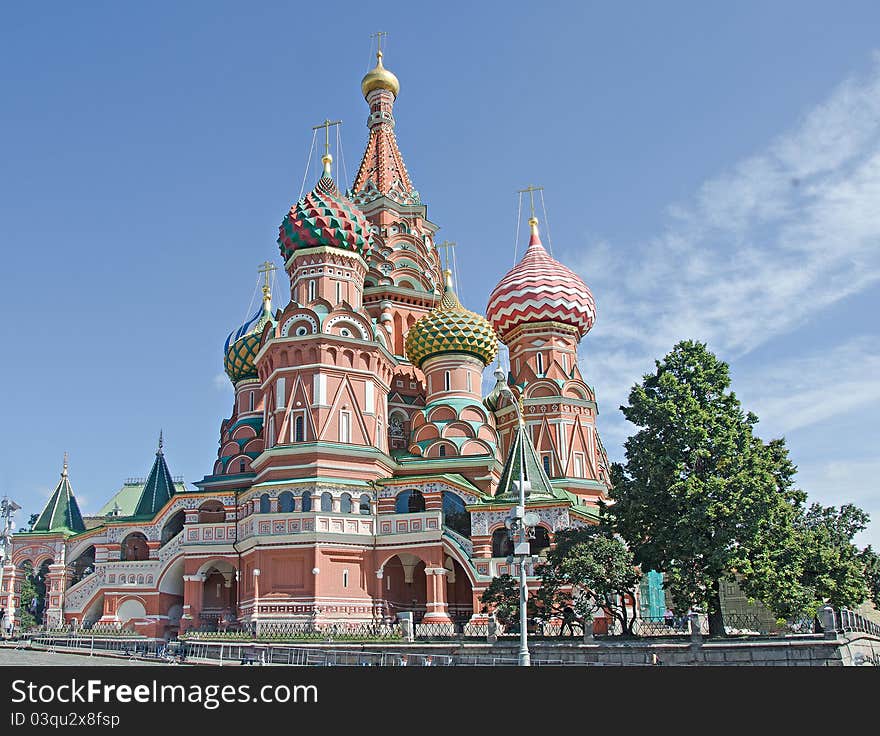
pixel 134 548
pixel 345 503
pixel 211 512
pixel 446 380
pixel 409 502
pixel 312 290
pixel 501 544
pixel 326 501
pixel 173 527
pixel 306 501
pixel 455 516
pixel 540 360
pixel 285 502
pixel 364 505
pixel 546 460
pixel 265 504
pixel 441 451
pixel 540 541
pixel 298 432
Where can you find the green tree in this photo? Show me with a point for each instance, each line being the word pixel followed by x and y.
pixel 502 599
pixel 700 496
pixel 594 570
pixel 33 591
pixel 871 561
pixel 817 564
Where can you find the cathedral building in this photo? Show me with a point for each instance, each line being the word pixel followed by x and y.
pixel 362 471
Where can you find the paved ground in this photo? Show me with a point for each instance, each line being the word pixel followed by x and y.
pixel 31 658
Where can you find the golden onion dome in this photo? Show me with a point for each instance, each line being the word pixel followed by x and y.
pixel 379 78
pixel 450 328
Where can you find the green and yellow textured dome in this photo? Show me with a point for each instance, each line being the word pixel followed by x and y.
pixel 450 328
pixel 243 343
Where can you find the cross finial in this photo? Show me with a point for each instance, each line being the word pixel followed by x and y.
pixel 531 189
pixel 64 468
pixel 160 442
pixel 446 245
pixel 378 36
pixel 326 125
pixel 266 268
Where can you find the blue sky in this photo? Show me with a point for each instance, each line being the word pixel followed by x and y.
pixel 712 172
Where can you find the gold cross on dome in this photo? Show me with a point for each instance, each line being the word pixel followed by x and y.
pixel 446 245
pixel 378 36
pixel 531 189
pixel 267 268
pixel 326 125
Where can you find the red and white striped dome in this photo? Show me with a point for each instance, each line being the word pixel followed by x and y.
pixel 540 289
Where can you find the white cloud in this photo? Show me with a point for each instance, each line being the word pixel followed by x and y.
pixel 755 253
pixel 221 382
pixel 799 392
pixel 839 482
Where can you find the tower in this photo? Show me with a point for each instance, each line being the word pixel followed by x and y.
pixel 541 310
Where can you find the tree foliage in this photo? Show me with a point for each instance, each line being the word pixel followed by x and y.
pixel 502 598
pixel 594 570
pixel 871 561
pixel 816 564
pixel 700 495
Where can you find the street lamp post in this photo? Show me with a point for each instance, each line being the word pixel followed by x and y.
pixel 520 532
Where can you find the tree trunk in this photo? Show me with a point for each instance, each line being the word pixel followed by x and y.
pixel 716 617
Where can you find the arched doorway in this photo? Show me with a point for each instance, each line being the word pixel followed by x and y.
pixel 32 596
pixel 219 596
pixel 459 592
pixel 405 586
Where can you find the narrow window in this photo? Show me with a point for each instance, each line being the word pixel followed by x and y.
pixel 338 292
pixel 251 399
pixel 469 382
pixel 565 362
pixel 312 290
pixel 540 359
pixel 442 451
pixel 345 578
pixel 241 466
pixel 298 432
pixel 446 380
pixel 306 501
pixel 345 426
pixel 546 460
pixel 578 465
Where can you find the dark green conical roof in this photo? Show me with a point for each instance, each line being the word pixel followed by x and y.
pixel 533 469
pixel 61 513
pixel 158 489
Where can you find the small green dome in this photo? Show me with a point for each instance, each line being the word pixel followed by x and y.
pixel 450 328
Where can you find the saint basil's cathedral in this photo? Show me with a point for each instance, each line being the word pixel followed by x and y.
pixel 362 472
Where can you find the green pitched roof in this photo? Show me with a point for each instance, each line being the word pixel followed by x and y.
pixel 533 470
pixel 62 511
pixel 125 500
pixel 158 489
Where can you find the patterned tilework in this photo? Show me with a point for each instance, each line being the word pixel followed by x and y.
pixel 450 328
pixel 540 289
pixel 324 217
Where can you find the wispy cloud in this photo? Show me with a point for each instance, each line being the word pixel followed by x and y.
pixel 754 254
pixel 799 392
pixel 835 483
pixel 221 382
